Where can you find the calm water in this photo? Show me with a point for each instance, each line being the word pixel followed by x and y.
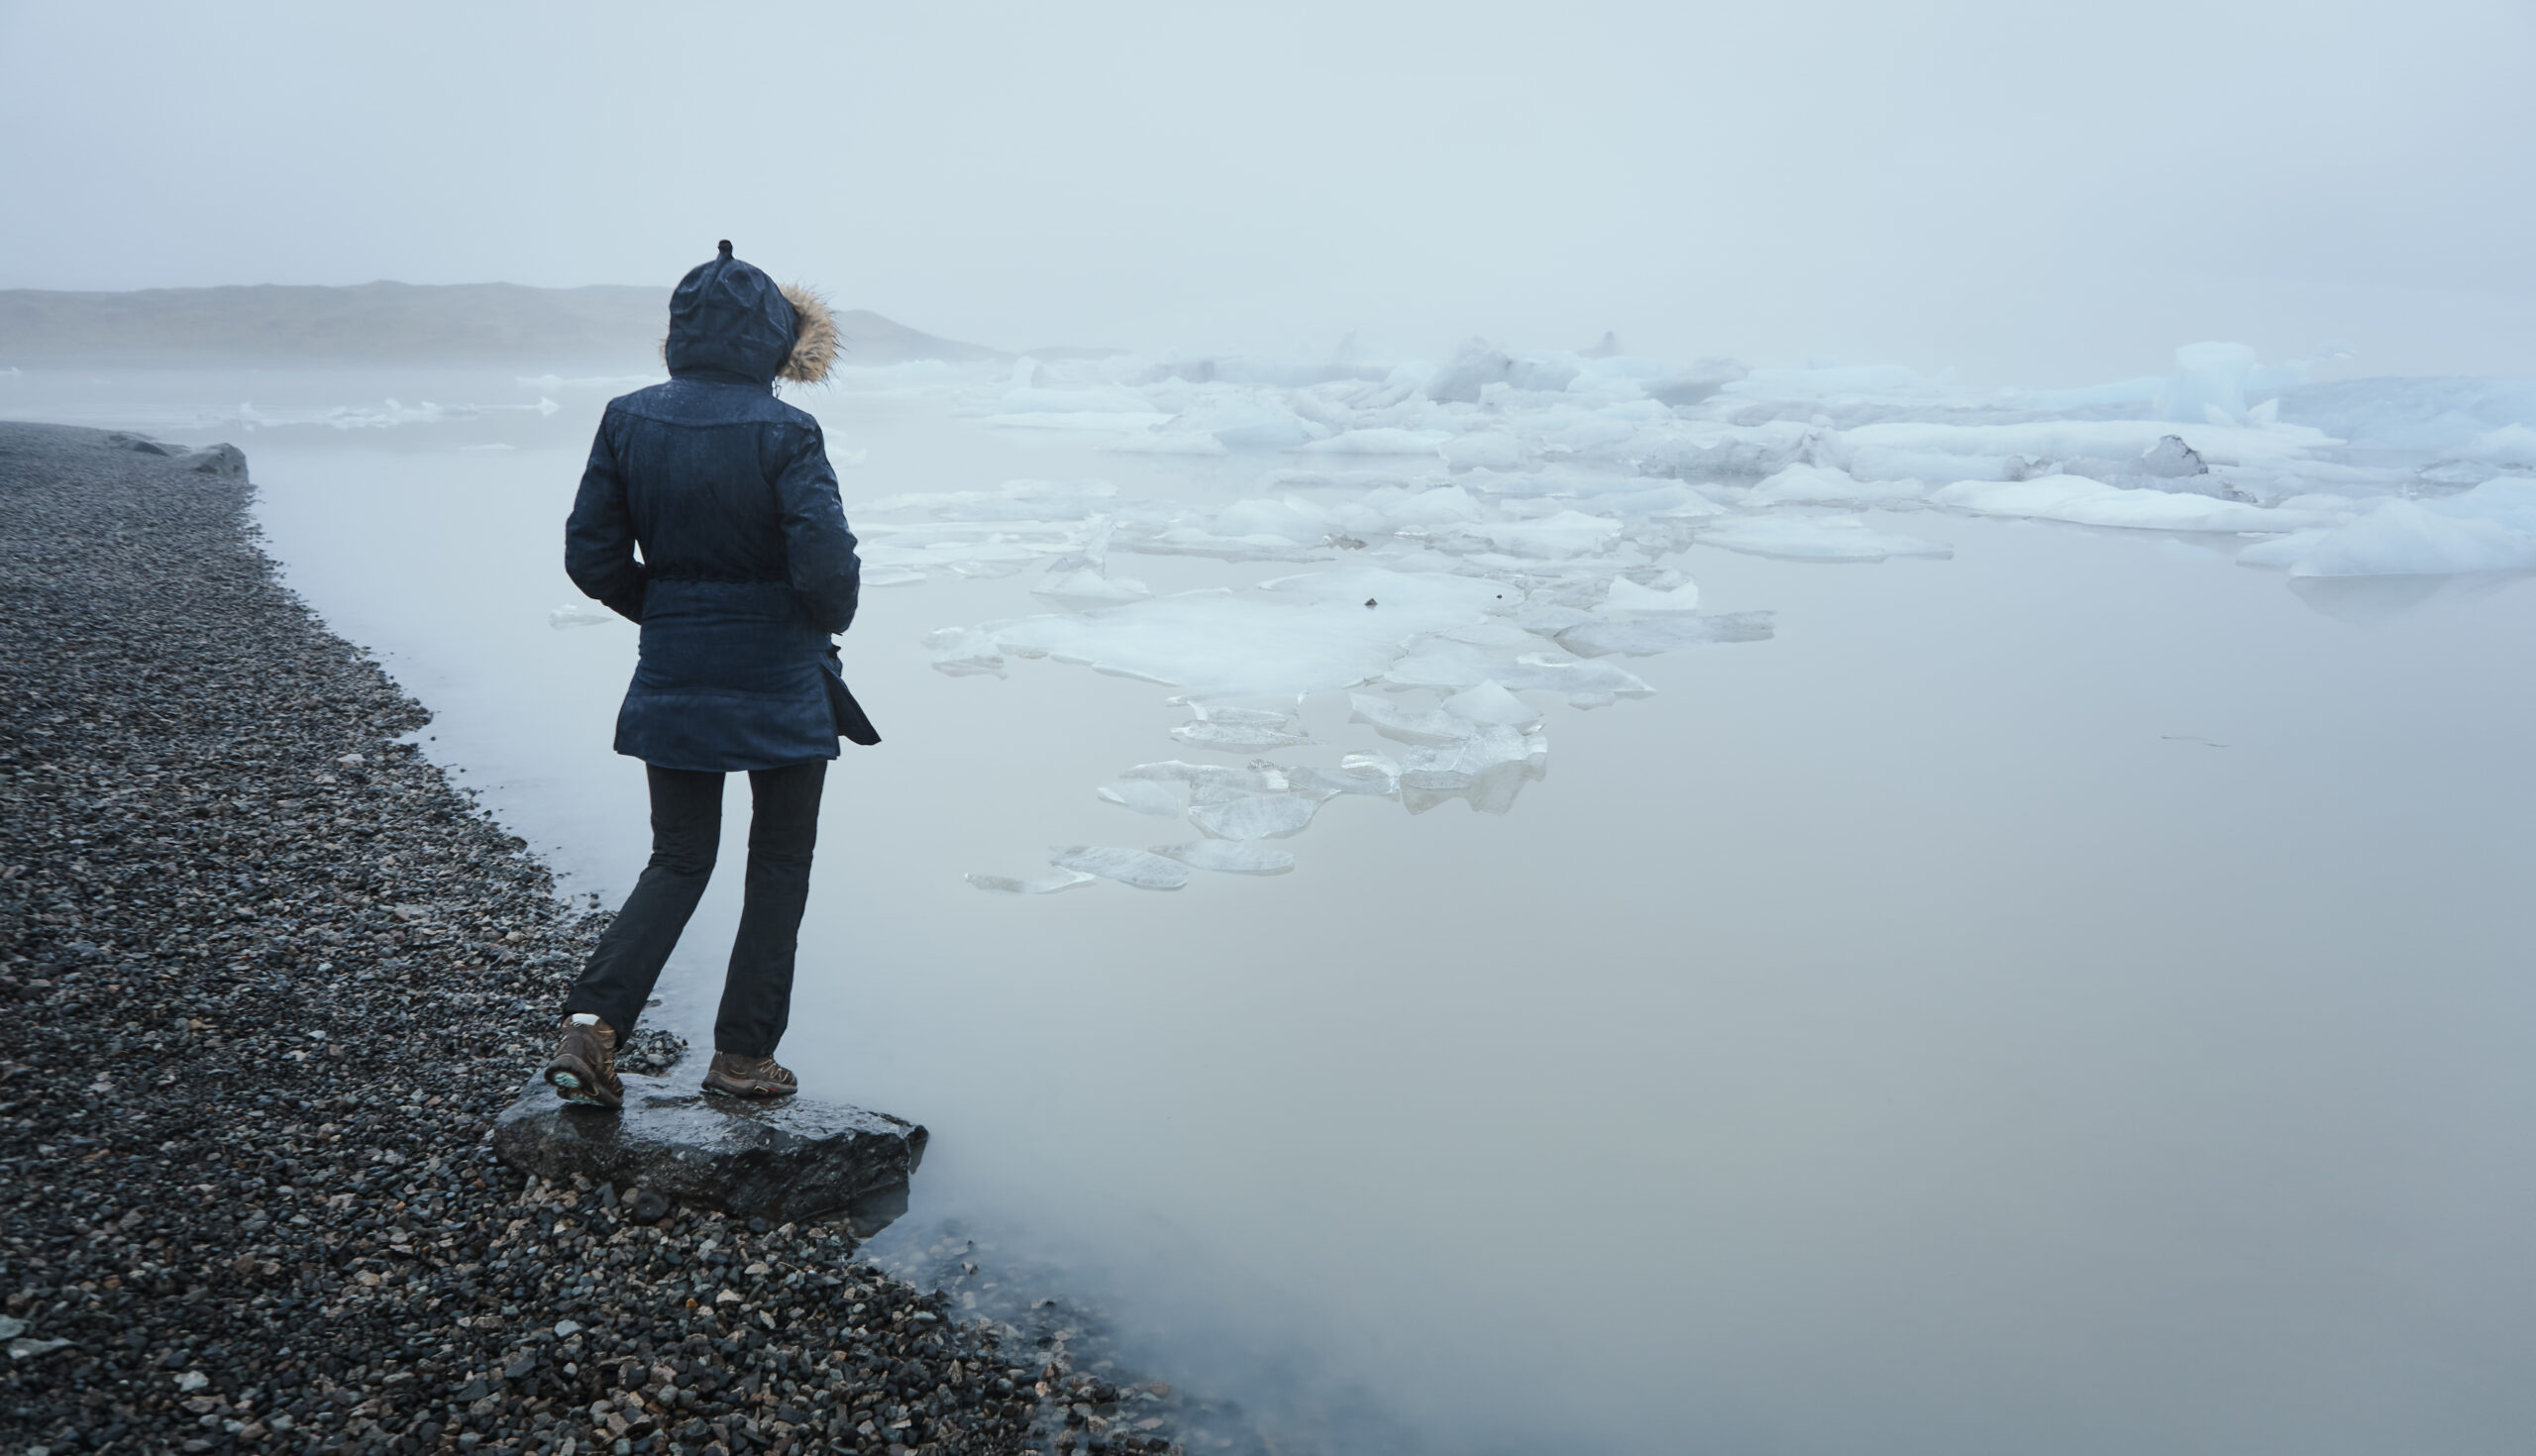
pixel 2072 998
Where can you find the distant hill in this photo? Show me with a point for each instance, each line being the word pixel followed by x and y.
pixel 380 322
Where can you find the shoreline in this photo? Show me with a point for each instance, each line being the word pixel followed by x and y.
pixel 272 978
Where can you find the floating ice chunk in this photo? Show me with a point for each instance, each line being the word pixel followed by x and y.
pixel 1818 539
pixel 1490 704
pixel 1493 450
pixel 1647 636
pixel 2508 501
pixel 1246 718
pixel 1251 424
pixel 1447 505
pixel 1398 721
pixel 890 575
pixel 1088 587
pixel 1194 541
pixel 2042 440
pixel 1049 884
pixel 1488 769
pixel 1229 857
pixel 1074 401
pixel 2085 502
pixel 1168 441
pixel 581 614
pixel 1628 596
pixel 2511 445
pixel 1878 466
pixel 1298 635
pixel 1079 420
pixel 1286 517
pixel 1129 867
pixel 961 652
pixel 2401 537
pixel 1180 770
pixel 1385 440
pixel 1237 737
pixel 1154 797
pixel 2209 384
pixel 1585 679
pixel 1258 815
pixel 1568 532
pixel 1550 617
pixel 1014 500
pixel 1371 775
pixel 1810 484
pixel 1446 666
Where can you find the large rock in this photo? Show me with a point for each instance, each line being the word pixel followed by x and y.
pixel 786 1162
pixel 223 460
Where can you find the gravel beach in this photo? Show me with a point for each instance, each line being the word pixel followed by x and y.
pixel 269 977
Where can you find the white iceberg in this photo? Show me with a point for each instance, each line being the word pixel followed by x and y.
pixel 1047 884
pixel 1641 637
pixel 1810 484
pixel 1229 857
pixel 1088 587
pixel 1130 867
pixel 1370 775
pixel 1487 770
pixel 1155 796
pixel 1818 539
pixel 2084 502
pixel 1379 441
pixel 1490 704
pixel 1626 595
pixel 1258 815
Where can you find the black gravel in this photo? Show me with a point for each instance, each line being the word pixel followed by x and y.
pixel 269 976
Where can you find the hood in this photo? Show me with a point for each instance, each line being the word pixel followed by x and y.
pixel 729 322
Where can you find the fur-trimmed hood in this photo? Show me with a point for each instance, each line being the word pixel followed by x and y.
pixel 728 321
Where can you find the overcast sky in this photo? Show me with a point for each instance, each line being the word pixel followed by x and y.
pixel 2048 193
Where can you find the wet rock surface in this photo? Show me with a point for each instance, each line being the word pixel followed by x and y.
pixel 797 1159
pixel 269 979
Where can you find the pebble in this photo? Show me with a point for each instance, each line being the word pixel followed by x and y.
pixel 268 977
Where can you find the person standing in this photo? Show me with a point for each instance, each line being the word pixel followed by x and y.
pixel 746 571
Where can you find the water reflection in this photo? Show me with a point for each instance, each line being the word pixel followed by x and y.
pixel 1894 1037
pixel 2368 601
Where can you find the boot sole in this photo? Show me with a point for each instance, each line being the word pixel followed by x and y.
pixel 573 1084
pixel 755 1091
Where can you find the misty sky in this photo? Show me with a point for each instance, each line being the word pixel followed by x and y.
pixel 2047 193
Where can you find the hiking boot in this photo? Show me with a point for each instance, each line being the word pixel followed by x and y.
pixel 583 1070
pixel 736 1076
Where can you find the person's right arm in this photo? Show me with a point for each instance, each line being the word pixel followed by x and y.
pixel 818 546
pixel 598 539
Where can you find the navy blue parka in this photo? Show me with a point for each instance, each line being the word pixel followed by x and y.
pixel 745 565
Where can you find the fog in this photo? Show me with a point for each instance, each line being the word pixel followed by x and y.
pixel 2044 194
pixel 2024 950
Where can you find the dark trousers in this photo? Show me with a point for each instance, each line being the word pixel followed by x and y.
pixel 686 829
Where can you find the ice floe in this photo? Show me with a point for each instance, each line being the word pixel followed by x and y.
pixel 1818 539
pixel 1044 884
pixel 1136 867
pixel 1229 857
pixel 582 614
pixel 1257 815
pixel 1447 555
pixel 2085 502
